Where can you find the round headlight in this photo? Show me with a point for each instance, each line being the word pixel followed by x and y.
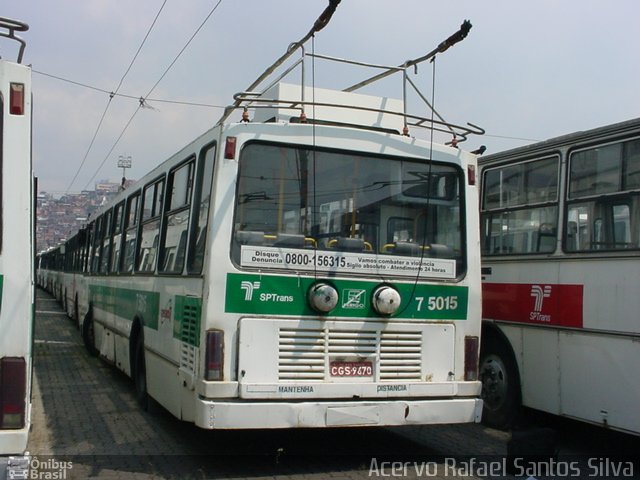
pixel 386 300
pixel 323 297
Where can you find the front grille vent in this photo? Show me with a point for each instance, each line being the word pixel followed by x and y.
pixel 303 354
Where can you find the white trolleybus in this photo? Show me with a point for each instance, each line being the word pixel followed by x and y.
pixel 16 244
pixel 561 265
pixel 310 266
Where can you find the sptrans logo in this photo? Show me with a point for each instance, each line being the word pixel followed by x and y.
pixel 539 293
pixel 546 304
pixel 249 288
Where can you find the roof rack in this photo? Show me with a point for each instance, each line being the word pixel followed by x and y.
pixel 12 26
pixel 259 98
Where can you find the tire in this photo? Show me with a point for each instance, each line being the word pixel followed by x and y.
pixel 76 314
pixel 89 335
pixel 139 375
pixel 500 384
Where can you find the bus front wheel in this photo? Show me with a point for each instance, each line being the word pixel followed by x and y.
pixel 500 384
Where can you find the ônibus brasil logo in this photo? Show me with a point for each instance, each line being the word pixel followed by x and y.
pixel 539 293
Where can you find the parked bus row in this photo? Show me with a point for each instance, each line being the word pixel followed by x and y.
pixel 311 266
pixel 316 266
pixel 560 234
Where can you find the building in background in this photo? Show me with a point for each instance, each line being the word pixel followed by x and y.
pixel 58 215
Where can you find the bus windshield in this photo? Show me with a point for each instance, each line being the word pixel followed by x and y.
pixel 361 210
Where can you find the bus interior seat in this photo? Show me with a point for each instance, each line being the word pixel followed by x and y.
pixel 546 241
pixel 406 248
pixel 347 244
pixel 289 240
pixel 432 250
pixel 438 250
pixel 250 237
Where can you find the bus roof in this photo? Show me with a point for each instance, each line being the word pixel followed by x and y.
pixel 582 136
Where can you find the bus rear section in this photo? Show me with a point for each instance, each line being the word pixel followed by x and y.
pixel 342 288
pixel 16 249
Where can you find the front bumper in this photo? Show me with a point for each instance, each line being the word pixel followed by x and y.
pixel 212 414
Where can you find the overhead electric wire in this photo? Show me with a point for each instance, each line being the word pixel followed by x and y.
pixel 73 82
pixel 143 100
pixel 185 47
pixel 205 105
pixel 124 95
pixel 111 95
pixel 513 138
pixel 144 40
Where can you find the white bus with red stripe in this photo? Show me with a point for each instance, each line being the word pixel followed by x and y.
pixel 560 232
pixel 16 245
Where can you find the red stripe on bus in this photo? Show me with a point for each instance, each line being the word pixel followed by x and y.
pixel 541 304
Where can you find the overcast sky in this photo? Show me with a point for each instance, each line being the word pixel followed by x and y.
pixel 528 69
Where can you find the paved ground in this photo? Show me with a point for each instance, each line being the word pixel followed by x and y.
pixel 86 424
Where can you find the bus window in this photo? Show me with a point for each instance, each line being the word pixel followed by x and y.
pixel 106 242
pixel 201 210
pixel 631 179
pixel 595 171
pixel 131 230
pixel 341 201
pixel 118 217
pixel 601 225
pixel 621 225
pixel 519 208
pixel 149 238
pixel 603 202
pixel 177 219
pixel 97 245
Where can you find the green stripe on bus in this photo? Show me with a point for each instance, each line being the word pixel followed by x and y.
pixel 126 303
pixel 280 295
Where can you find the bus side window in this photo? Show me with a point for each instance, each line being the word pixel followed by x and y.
pixel 106 242
pixel 151 213
pixel 131 229
pixel 88 242
pixel 601 225
pixel 520 208
pixel 180 186
pixel 97 245
pixel 114 265
pixel 201 204
pixel 622 227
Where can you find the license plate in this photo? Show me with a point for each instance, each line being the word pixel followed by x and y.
pixel 351 369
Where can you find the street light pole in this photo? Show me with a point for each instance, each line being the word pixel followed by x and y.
pixel 124 162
